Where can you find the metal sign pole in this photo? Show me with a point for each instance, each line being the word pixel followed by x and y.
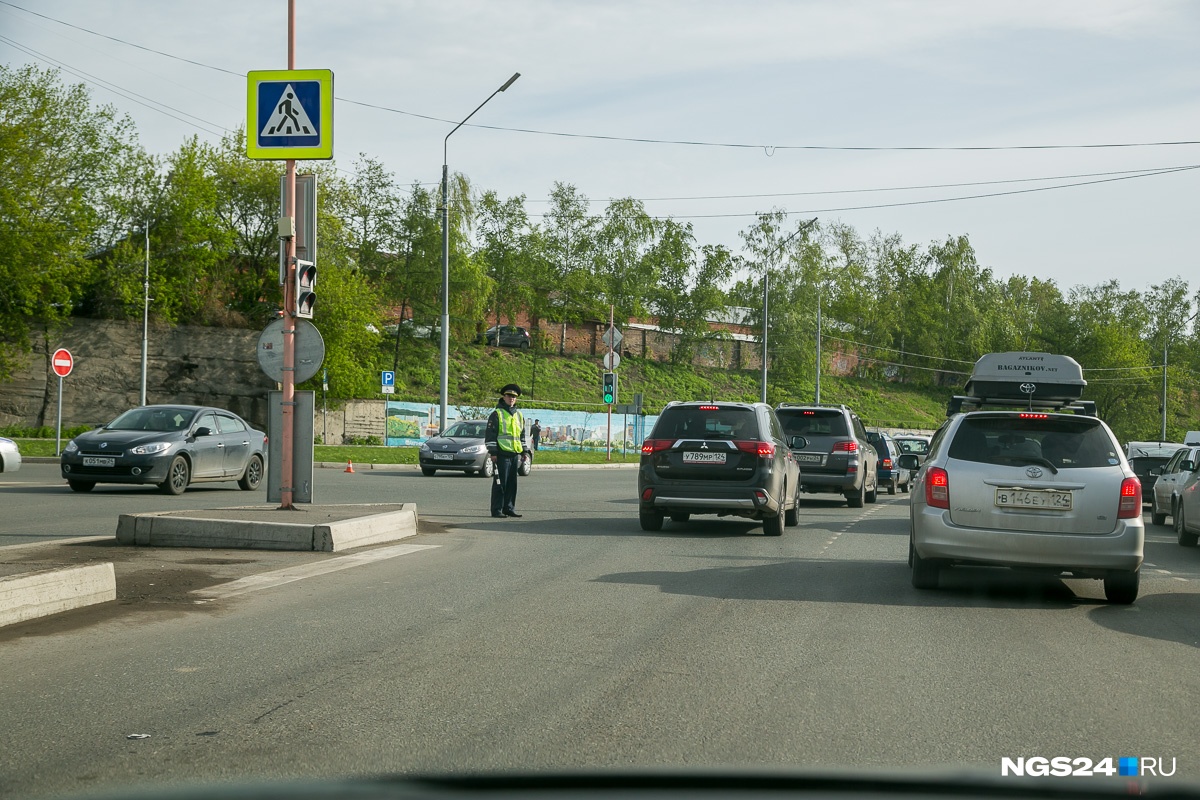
pixel 289 297
pixel 58 428
pixel 611 337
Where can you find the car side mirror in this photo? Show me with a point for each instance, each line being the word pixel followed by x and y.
pixel 1155 471
pixel 1186 466
pixel 202 431
pixel 798 442
pixel 909 461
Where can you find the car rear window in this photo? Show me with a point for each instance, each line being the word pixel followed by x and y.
pixel 706 422
pixel 1060 440
pixel 917 447
pixel 810 421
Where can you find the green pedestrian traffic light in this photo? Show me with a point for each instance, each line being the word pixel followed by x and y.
pixel 610 387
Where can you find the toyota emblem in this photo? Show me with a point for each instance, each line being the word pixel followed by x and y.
pixel 104 444
pixel 1028 388
pixel 1034 472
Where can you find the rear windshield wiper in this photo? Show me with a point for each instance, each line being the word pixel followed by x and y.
pixel 1030 460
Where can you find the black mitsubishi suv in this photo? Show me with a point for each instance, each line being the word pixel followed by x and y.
pixel 729 459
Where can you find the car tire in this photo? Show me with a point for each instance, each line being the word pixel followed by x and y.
pixel 791 517
pixel 904 486
pixel 428 472
pixel 856 498
pixel 892 486
pixel 680 517
pixel 650 520
pixel 526 467
pixel 179 475
pixel 524 345
pixel 487 470
pixel 1122 587
pixel 81 486
pixel 873 495
pixel 253 474
pixel 773 526
pixel 1156 517
pixel 925 571
pixel 1184 538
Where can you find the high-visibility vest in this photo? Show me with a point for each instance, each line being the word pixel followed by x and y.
pixel 508 434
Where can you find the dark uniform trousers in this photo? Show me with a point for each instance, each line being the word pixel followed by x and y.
pixel 504 484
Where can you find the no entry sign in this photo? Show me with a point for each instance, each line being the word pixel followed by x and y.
pixel 62 362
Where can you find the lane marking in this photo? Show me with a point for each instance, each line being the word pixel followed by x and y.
pixel 268 580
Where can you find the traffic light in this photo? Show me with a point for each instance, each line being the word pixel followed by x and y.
pixel 306 288
pixel 610 387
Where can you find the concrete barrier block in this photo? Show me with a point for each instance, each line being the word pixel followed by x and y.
pixel 51 591
pixel 362 531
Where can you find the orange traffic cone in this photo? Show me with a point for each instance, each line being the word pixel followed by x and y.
pixel 349 467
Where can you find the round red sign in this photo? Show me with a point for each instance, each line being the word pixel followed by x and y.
pixel 62 362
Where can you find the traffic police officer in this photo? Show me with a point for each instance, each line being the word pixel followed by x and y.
pixel 505 440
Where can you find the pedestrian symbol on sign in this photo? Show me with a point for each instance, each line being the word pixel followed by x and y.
pixel 289 117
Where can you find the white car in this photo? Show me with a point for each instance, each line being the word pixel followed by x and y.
pixel 1032 487
pixel 10 456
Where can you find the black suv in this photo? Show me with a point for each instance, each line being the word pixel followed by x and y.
pixel 835 456
pixel 729 459
pixel 507 336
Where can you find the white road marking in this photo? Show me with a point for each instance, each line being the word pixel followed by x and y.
pixel 268 580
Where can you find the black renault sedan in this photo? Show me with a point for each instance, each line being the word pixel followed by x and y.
pixel 168 446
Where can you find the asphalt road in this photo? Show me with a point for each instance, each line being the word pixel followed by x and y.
pixel 572 639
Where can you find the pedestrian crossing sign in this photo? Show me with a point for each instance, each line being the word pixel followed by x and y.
pixel 289 114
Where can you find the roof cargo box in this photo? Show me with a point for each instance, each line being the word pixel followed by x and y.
pixel 1038 378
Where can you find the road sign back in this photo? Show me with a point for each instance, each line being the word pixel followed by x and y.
pixel 289 114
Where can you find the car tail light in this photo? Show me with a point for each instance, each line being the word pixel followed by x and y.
pixel 647 494
pixel 652 446
pixel 937 488
pixel 1030 415
pixel 886 463
pixel 1131 499
pixel 710 408
pixel 810 413
pixel 846 447
pixel 760 449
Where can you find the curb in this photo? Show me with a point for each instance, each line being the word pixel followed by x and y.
pixel 254 528
pixel 50 591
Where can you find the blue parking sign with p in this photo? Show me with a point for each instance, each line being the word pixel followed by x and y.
pixel 389 378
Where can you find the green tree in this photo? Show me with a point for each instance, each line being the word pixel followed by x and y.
pixel 62 159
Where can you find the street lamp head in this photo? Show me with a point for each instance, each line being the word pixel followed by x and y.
pixel 510 81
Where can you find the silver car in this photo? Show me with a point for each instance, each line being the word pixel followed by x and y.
pixel 10 456
pixel 1164 497
pixel 1027 489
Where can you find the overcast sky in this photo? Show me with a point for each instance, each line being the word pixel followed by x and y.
pixel 776 79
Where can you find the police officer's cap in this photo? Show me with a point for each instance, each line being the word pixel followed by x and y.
pixel 511 387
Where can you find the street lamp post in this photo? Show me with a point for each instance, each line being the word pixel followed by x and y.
pixel 803 228
pixel 445 355
pixel 145 314
pixel 1166 341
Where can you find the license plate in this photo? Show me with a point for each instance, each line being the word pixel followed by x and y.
pixel 443 456
pixel 93 461
pixel 810 458
pixel 696 457
pixel 1033 498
